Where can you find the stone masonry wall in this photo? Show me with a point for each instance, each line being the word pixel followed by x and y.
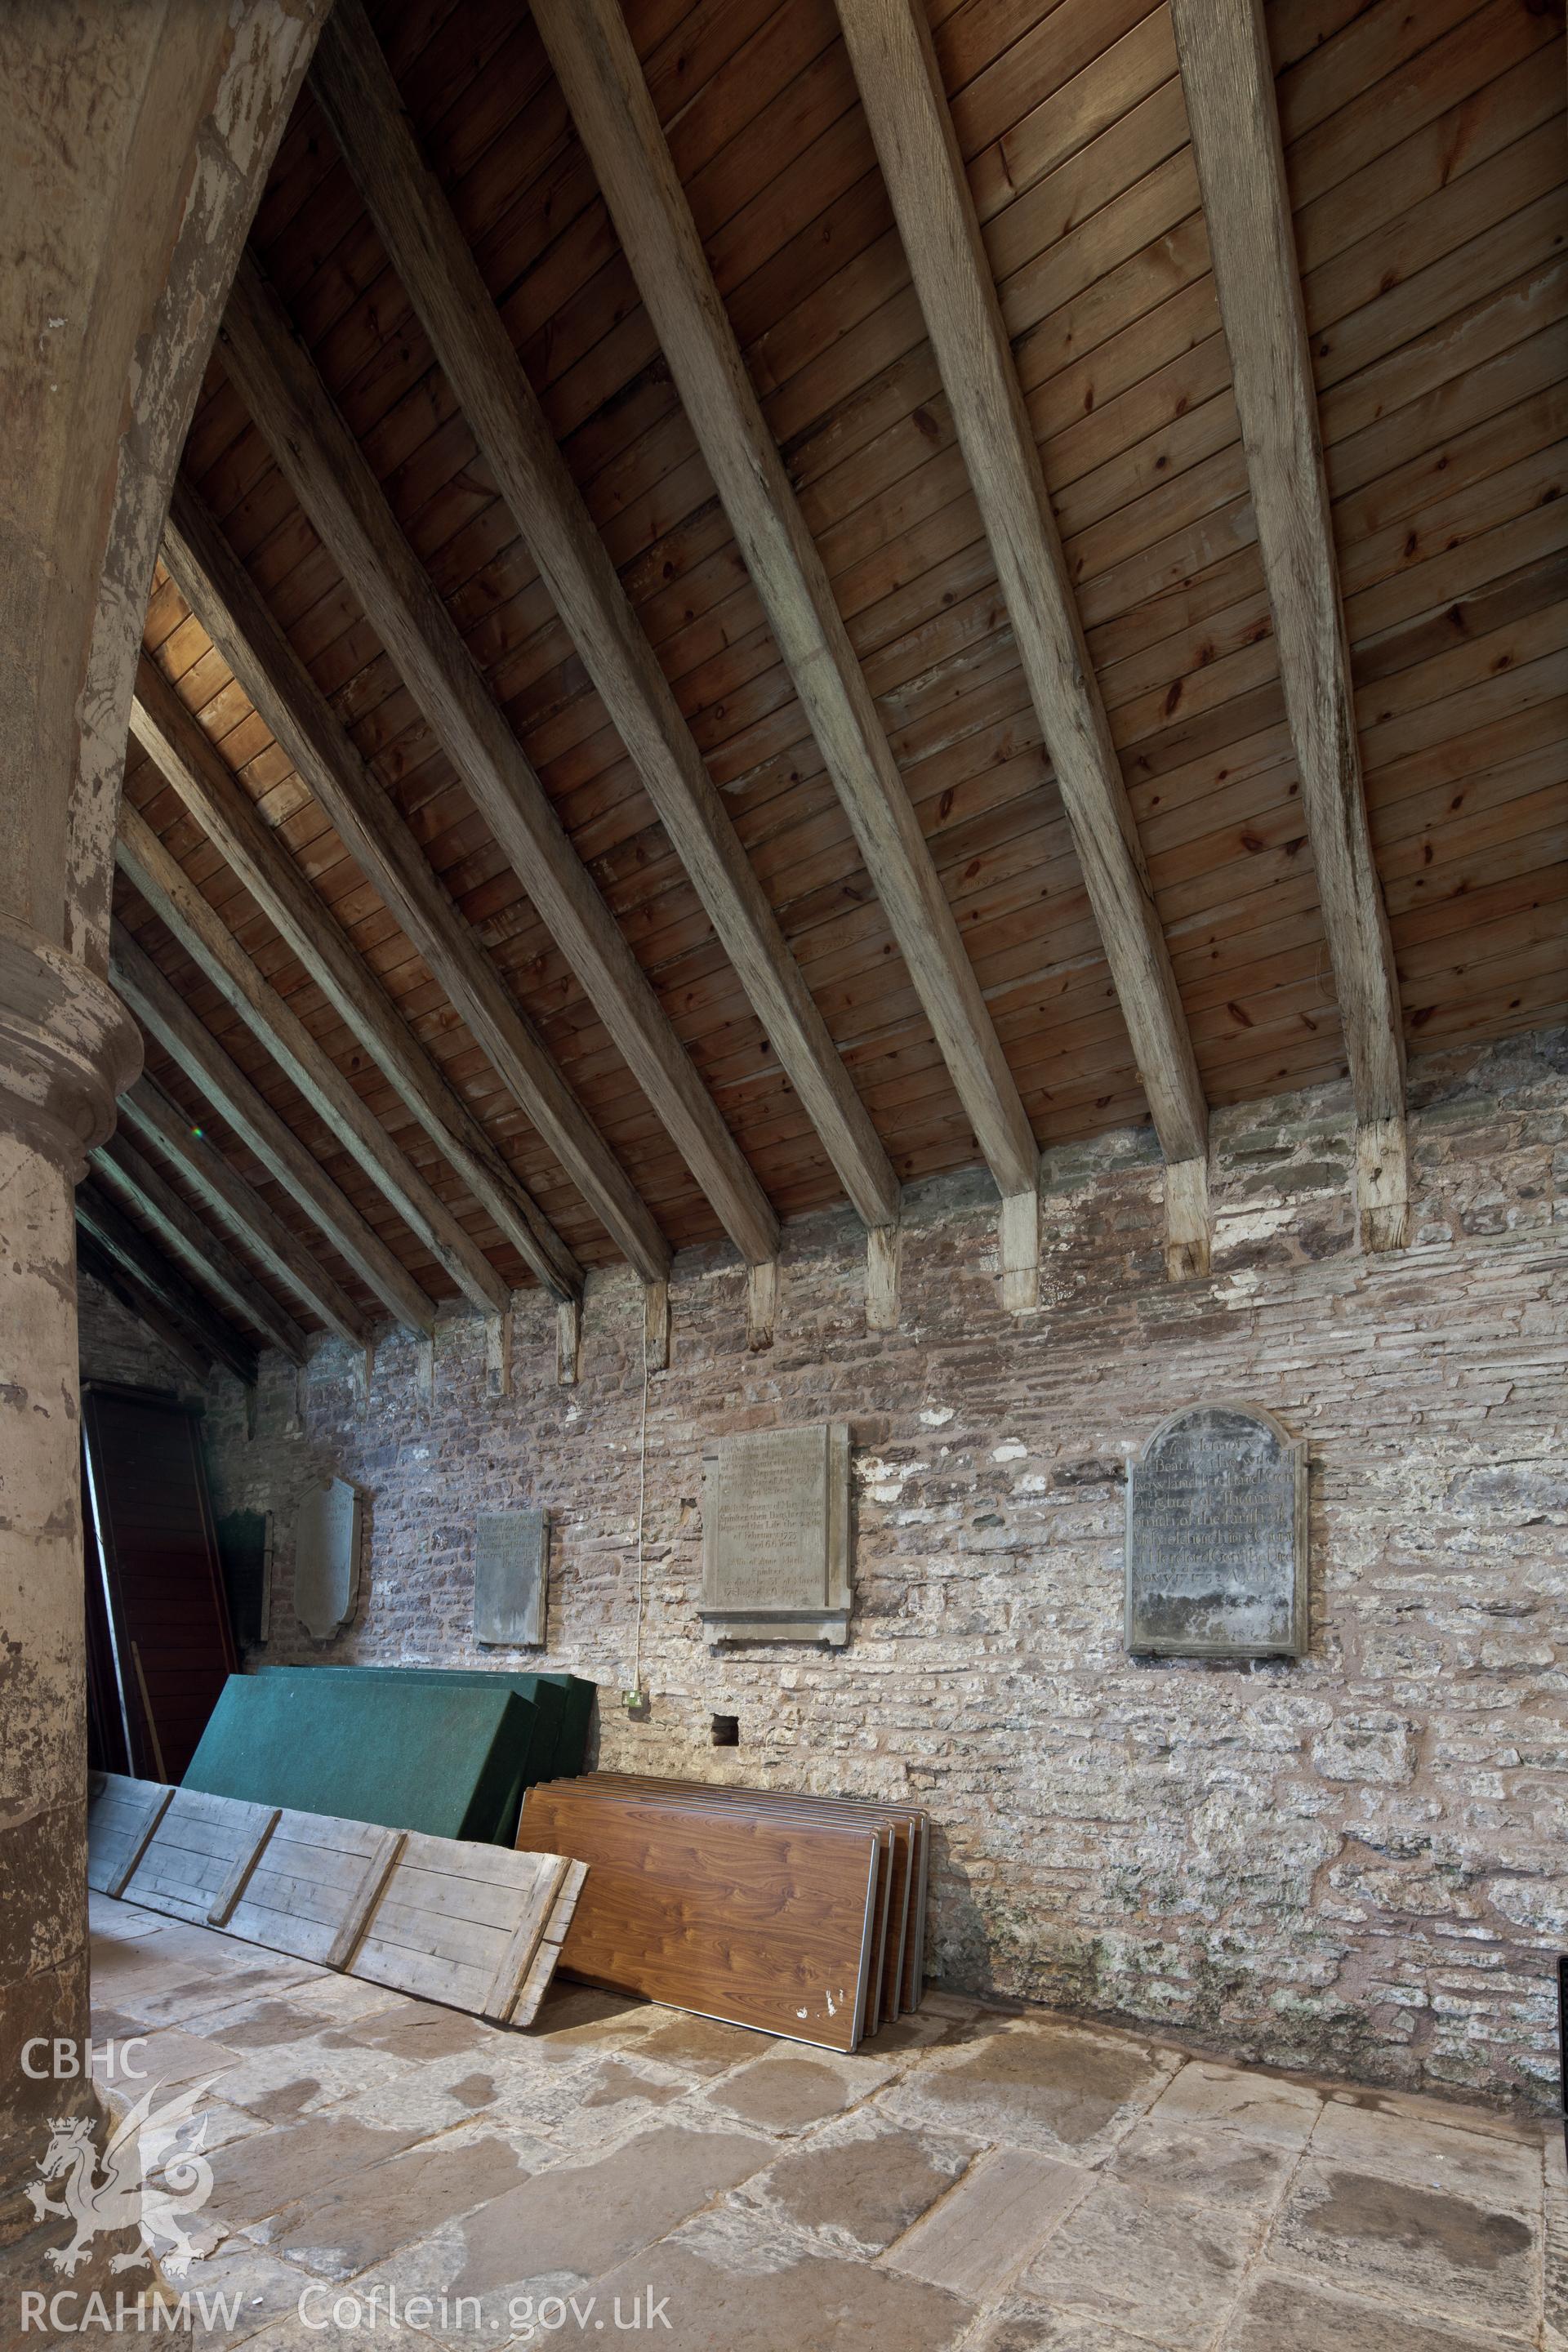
pixel 111 1345
pixel 1357 1863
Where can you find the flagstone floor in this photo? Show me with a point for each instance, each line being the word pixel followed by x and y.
pixel 970 2179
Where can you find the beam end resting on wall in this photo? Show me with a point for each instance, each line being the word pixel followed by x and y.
pixel 568 1342
pixel 1383 1185
pixel 497 1352
pixel 1020 1234
pixel 1188 1226
pixel 762 1304
pixel 656 1326
pixel 881 1277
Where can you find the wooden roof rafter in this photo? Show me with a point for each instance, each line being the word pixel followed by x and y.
pixel 292 408
pixel 235 617
pixel 190 1237
pixel 603 80
pixel 158 1121
pixel 1424 159
pixel 361 102
pixel 1229 80
pixel 140 1303
pixel 154 1276
pixel 160 1008
pixel 173 897
pixel 188 759
pixel 900 88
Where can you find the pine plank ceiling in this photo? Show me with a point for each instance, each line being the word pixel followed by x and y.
pixel 1426 166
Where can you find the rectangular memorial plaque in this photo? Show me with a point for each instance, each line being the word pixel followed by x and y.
pixel 511 1578
pixel 327 1542
pixel 245 1550
pixel 776 1535
pixel 1217 1537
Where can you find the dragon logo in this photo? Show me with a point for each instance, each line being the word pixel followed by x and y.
pixel 122 2195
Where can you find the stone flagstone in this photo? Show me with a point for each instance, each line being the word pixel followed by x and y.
pixel 1020 2183
pixel 1421 2247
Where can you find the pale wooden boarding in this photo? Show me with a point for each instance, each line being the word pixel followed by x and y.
pixel 199 1857
pixel 542 1968
pixel 121 1815
pixel 459 1923
pixel 314 1884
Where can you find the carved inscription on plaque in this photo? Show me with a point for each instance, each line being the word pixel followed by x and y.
pixel 1217 1537
pixel 775 1535
pixel 326 1558
pixel 511 1575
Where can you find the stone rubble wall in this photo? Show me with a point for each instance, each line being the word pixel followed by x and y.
pixel 1356 1865
pixel 113 1346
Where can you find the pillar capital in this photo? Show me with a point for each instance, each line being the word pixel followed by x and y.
pixel 68 1048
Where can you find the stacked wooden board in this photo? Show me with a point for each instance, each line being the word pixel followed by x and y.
pixel 476 1926
pixel 199 1857
pixel 122 1816
pixel 798 1916
pixel 472 1925
pixel 310 1887
pixel 420 1749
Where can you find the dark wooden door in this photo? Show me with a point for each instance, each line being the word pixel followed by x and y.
pixel 158 1627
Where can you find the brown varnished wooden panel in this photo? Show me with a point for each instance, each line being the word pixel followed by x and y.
pixel 903 1956
pixel 769 1925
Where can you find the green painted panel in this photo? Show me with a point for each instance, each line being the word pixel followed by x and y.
pixel 435 1754
pixel 561 1708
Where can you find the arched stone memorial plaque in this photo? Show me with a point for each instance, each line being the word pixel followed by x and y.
pixel 326 1558
pixel 776 1535
pixel 1217 1537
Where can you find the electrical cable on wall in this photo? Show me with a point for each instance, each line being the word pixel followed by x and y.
pixel 633 1694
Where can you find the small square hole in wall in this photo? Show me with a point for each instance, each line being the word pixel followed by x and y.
pixel 726 1729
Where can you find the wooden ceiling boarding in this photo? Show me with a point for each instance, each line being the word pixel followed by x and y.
pixel 589 791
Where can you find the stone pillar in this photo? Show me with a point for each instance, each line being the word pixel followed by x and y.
pixel 67 1049
pixel 134 143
